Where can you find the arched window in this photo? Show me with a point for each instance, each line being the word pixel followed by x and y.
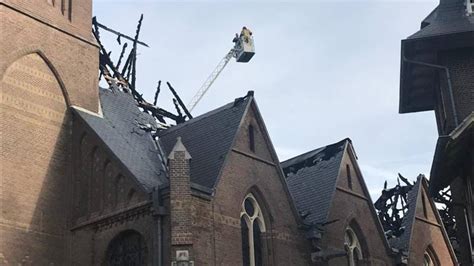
pixel 252 226
pixel 349 176
pixel 128 248
pixel 353 247
pixel 429 258
pixel 251 138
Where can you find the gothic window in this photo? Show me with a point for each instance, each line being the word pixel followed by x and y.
pixel 349 176
pixel 423 201
pixel 252 226
pixel 119 190
pixel 95 183
pixel 353 247
pixel 429 259
pixel 251 138
pixel 128 248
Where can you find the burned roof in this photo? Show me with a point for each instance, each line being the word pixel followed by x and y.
pixel 403 241
pixel 208 138
pixel 125 131
pixel 312 178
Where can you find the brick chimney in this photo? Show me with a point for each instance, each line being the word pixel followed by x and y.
pixel 180 204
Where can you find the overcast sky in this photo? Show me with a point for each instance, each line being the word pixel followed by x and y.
pixel 323 71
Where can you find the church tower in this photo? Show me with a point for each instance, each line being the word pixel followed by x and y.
pixel 438 65
pixel 49 62
pixel 437 73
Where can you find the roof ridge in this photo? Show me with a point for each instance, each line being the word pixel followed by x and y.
pixel 217 128
pixel 208 114
pixel 315 151
pixel 312 180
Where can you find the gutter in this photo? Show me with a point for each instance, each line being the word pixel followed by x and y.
pixel 158 211
pixel 448 78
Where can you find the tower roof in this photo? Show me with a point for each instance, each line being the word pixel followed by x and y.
pixel 448 26
pixel 450 17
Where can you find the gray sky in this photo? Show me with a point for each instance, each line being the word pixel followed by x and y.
pixel 323 71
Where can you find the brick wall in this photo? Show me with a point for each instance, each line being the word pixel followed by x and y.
pixel 34 155
pixel 73 59
pixel 351 207
pixel 427 233
pixel 216 225
pixel 461 67
pixel 49 62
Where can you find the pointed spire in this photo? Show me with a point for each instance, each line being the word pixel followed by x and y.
pixel 179 147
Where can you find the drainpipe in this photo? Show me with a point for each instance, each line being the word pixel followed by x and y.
pixel 448 78
pixel 157 211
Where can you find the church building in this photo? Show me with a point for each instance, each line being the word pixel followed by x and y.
pixel 88 178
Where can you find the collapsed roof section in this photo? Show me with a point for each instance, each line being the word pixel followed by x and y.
pixel 133 136
pixel 128 133
pixel 402 241
pixel 397 208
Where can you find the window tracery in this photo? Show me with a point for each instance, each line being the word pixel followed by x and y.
pixel 353 247
pixel 252 226
pixel 429 258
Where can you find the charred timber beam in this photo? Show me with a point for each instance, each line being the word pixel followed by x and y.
pixel 94 21
pixel 155 100
pixel 188 114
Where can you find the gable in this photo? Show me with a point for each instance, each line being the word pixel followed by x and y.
pixel 427 230
pixel 311 180
pixel 351 205
pixel 252 137
pixel 208 138
pixel 424 208
pixel 423 228
pixel 350 177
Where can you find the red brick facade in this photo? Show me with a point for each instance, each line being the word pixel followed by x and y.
pixel 48 63
pixel 66 198
pixel 352 207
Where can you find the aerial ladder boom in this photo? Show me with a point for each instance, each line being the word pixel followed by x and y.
pixel 242 51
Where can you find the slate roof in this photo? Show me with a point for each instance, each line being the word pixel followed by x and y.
pixel 311 180
pixel 208 139
pixel 448 18
pixel 120 131
pixel 403 241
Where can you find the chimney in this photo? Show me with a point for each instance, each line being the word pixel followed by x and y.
pixel 180 204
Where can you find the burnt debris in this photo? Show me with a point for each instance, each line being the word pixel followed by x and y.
pixel 312 158
pixel 392 207
pixel 124 76
pixel 393 204
pixel 444 203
